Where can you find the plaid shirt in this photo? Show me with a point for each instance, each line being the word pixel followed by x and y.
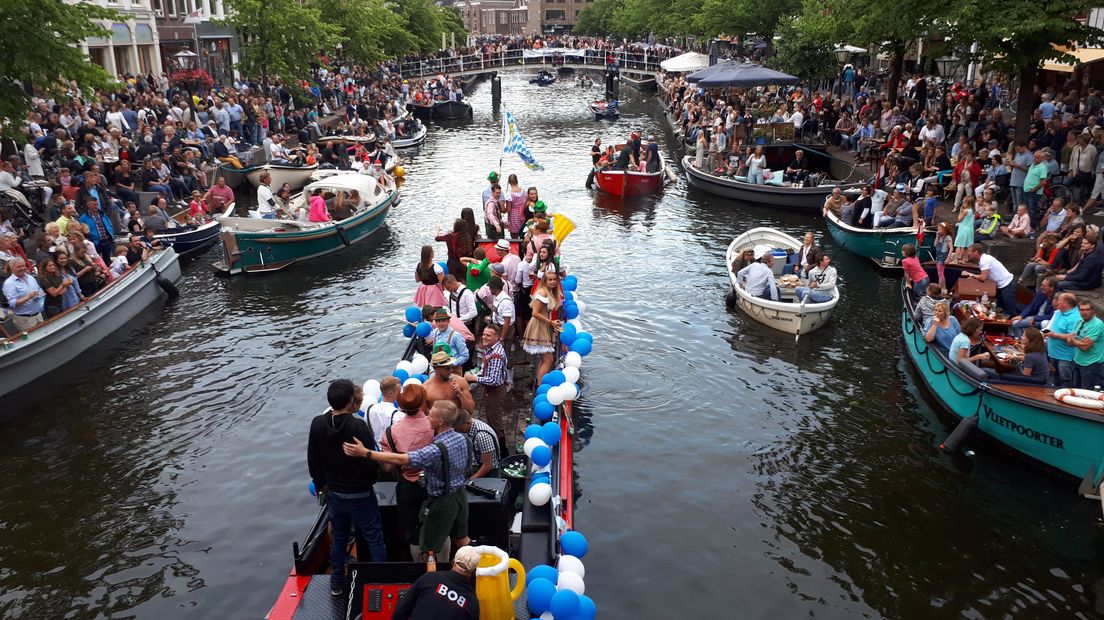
pixel 483 440
pixel 429 458
pixel 494 366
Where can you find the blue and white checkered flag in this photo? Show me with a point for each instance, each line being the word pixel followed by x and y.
pixel 513 142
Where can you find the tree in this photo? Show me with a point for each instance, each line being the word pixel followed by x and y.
pixel 598 18
pixel 280 38
pixel 42 54
pixel 426 21
pixel 801 55
pixel 740 17
pixel 371 31
pixel 1015 38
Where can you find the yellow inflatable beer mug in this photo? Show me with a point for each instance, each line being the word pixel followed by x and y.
pixel 492 583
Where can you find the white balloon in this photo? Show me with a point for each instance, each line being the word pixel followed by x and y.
pixel 412 381
pixel 573 360
pixel 571 372
pixel 582 306
pixel 571 564
pixel 570 391
pixel 532 443
pixel 570 581
pixel 577 323
pixel 540 493
pixel 555 396
pixel 419 364
pixel 405 365
pixel 547 616
pixel 371 391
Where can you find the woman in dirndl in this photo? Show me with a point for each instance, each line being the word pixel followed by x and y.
pixel 542 334
pixel 430 278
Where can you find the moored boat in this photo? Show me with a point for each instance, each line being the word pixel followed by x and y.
pixel 422 112
pixel 631 182
pixel 26 356
pixel 414 140
pixel 775 192
pixel 881 245
pixel 451 110
pixel 1027 418
pixel 543 78
pixel 253 245
pixel 788 314
pixel 296 176
pixel 640 81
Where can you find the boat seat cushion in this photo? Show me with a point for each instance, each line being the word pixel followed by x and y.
pixel 776 178
pixel 741 179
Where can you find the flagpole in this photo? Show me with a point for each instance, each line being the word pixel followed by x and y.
pixel 503 141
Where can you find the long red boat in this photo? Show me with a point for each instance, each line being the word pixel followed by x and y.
pixel 629 182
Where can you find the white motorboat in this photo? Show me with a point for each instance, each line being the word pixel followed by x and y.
pixel 28 355
pixel 296 176
pixel 787 314
pixel 417 139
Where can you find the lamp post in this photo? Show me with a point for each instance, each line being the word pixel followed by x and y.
pixel 946 64
pixel 842 56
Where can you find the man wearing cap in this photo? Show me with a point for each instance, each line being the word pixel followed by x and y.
pixel 410 432
pixel 492 179
pixel 345 482
pixel 758 277
pixel 443 384
pixel 444 335
pixel 443 595
pixel 445 513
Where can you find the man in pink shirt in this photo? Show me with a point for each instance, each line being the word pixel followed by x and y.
pixel 219 196
pixel 409 433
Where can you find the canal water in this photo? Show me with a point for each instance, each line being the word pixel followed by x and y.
pixel 723 469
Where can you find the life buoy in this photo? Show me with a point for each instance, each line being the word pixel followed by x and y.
pixel 1088 399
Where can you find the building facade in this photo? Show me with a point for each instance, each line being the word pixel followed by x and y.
pixel 132 45
pixel 189 26
pixel 554 16
pixel 484 17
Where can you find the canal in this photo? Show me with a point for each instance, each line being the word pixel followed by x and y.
pixel 723 469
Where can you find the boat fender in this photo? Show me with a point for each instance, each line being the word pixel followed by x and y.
pixel 344 237
pixel 167 286
pixel 731 299
pixel 960 434
pixel 1080 398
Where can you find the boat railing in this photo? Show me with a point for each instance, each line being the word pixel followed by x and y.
pixel 84 304
pixel 517 58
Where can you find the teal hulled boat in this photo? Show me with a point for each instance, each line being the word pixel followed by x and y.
pixel 1024 417
pixel 882 245
pixel 256 245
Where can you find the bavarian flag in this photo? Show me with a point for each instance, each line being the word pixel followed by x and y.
pixel 513 142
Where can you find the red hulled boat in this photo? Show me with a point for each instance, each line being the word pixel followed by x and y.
pixel 629 182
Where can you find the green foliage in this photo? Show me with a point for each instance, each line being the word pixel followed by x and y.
pixel 739 17
pixel 425 21
pixel 280 38
pixel 598 19
pixel 41 51
pixel 801 55
pixel 370 31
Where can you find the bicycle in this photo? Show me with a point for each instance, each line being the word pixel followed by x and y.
pixel 1053 188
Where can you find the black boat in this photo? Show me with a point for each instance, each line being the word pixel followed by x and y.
pixel 605 110
pixel 543 78
pixel 420 111
pixel 451 110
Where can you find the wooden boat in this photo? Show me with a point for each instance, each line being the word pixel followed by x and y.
pixel 775 192
pixel 451 110
pixel 422 112
pixel 26 356
pixel 640 81
pixel 296 176
pixel 253 245
pixel 631 183
pixel 605 111
pixel 417 139
pixel 881 245
pixel 348 140
pixel 543 78
pixel 1026 418
pixel 788 314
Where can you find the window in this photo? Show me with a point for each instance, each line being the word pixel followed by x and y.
pixel 156 4
pixel 555 15
pixel 170 6
pixel 503 17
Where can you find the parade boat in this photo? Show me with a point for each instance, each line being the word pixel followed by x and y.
pixel 775 192
pixel 881 245
pixel 788 314
pixel 605 110
pixel 451 111
pixel 25 356
pixel 296 176
pixel 631 182
pixel 414 140
pixel 543 78
pixel 254 245
pixel 1027 418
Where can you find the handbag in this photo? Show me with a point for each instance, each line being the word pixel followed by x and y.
pixel 1083 178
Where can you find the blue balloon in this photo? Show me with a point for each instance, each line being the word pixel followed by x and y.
pixel 567 336
pixel 585 336
pixel 310 487
pixel 543 410
pixel 571 311
pixel 582 346
pixel 543 389
pixel 539 595
pixel 564 604
pixel 574 543
pixel 541 571
pixel 413 314
pixel 555 377
pixel 421 377
pixel 550 433
pixel 423 329
pixel 408 330
pixel 570 283
pixel 401 375
pixel 541 456
pixel 533 430
pixel 569 296
pixel 539 477
pixel 587 608
pixel 444 266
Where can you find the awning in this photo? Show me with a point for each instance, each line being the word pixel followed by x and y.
pixel 1084 56
pixel 690 61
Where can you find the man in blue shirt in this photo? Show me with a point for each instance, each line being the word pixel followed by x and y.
pixel 24 295
pixel 758 277
pixel 1059 350
pixel 1040 309
pixel 1047 108
pixel 443 334
pixel 1021 161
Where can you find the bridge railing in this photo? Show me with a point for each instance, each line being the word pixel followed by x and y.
pixel 516 58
